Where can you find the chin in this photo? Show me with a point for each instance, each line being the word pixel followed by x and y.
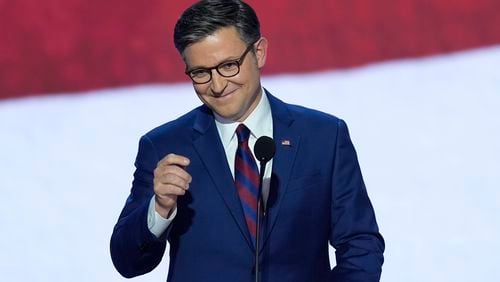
pixel 230 116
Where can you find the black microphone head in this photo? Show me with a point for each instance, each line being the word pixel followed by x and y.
pixel 264 149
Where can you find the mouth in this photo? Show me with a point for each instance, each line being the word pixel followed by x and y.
pixel 224 95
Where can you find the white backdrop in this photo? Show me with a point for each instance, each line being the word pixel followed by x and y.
pixel 427 133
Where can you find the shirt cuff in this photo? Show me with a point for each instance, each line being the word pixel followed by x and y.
pixel 156 223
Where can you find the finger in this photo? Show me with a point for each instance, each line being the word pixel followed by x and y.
pixel 168 190
pixel 173 169
pixel 172 179
pixel 173 159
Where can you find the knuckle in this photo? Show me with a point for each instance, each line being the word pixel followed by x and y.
pixel 170 157
pixel 170 169
pixel 158 189
pixel 169 178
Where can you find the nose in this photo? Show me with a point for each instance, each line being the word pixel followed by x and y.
pixel 217 84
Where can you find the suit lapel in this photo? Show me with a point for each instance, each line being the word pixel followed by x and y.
pixel 287 143
pixel 208 145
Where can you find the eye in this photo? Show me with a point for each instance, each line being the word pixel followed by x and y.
pixel 229 66
pixel 199 73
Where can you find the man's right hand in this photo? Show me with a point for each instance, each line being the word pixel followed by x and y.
pixel 170 181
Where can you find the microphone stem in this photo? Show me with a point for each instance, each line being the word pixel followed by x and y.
pixel 260 207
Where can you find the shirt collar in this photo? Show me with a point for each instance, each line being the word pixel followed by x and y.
pixel 256 121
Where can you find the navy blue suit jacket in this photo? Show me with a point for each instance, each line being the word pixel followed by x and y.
pixel 317 197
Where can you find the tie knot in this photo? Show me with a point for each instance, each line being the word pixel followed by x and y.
pixel 243 133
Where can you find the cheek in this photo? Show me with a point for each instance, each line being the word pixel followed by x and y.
pixel 200 89
pixel 252 73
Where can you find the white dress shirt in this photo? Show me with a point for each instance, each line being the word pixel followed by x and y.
pixel 260 123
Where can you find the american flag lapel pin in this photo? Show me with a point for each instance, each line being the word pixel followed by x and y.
pixel 286 142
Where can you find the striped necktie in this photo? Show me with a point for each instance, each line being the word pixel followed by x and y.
pixel 246 178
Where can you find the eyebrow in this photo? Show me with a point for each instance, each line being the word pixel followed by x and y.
pixel 229 59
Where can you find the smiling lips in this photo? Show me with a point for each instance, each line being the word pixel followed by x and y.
pixel 223 95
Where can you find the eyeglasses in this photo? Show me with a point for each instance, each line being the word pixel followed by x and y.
pixel 225 69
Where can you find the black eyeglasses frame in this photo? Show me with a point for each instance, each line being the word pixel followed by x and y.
pixel 208 71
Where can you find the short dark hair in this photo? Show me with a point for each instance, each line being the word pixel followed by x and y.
pixel 207 16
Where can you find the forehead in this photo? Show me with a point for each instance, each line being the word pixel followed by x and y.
pixel 223 44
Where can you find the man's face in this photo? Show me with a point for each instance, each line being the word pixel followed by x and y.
pixel 234 97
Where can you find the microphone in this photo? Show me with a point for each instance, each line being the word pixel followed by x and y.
pixel 264 150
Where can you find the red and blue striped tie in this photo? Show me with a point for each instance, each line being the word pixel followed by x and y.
pixel 246 178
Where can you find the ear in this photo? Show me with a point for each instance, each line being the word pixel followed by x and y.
pixel 261 51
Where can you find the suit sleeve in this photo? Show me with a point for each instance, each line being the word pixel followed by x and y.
pixel 354 231
pixel 134 249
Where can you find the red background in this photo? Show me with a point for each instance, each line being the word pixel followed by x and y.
pixel 54 46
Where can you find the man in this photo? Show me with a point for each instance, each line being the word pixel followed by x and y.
pixel 194 184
